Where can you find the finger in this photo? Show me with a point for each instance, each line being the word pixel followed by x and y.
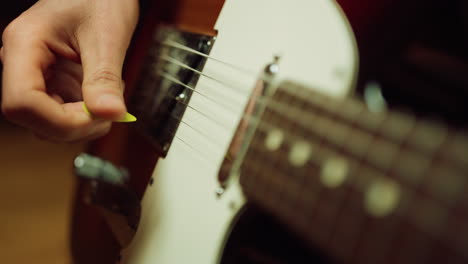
pixel 102 57
pixel 24 97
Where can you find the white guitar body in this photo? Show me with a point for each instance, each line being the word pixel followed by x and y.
pixel 183 221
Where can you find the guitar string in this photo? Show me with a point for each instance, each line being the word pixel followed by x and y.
pixel 275 105
pixel 265 127
pixel 196 52
pixel 171 78
pixel 185 66
pixel 289 138
pixel 167 76
pixel 203 134
pixel 260 99
pixel 177 45
pixel 279 108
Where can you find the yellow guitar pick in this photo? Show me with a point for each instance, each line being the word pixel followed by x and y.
pixel 127 118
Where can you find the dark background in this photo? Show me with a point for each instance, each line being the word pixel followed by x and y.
pixel 416 50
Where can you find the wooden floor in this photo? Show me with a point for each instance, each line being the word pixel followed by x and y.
pixel 36 188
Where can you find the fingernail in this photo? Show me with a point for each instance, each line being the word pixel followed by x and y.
pixel 110 100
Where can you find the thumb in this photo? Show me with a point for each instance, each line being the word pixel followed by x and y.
pixel 102 57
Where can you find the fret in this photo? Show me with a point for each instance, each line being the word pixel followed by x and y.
pixel 359 143
pixel 387 153
pixel 398 126
pixel 372 188
pixel 446 184
pixel 370 121
pixel 411 167
pixel 351 110
pixel 427 136
pixel 337 133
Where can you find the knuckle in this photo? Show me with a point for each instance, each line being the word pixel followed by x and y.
pixel 24 28
pixel 9 31
pixel 104 75
pixel 12 30
pixel 13 109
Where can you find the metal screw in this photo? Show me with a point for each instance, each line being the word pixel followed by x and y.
pixel 180 97
pixel 151 181
pixel 166 147
pixel 219 192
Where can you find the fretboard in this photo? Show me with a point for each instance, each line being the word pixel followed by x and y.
pixel 364 187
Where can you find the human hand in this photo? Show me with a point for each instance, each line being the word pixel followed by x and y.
pixel 60 53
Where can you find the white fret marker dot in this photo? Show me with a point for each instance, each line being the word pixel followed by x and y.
pixel 274 139
pixel 382 198
pixel 334 172
pixel 300 153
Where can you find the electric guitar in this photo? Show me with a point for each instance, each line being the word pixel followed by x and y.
pixel 251 148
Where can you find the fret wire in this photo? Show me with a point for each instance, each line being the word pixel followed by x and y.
pixel 294 139
pixel 275 105
pixel 339 205
pixel 358 164
pixel 291 139
pixel 267 127
pixel 291 112
pixel 398 213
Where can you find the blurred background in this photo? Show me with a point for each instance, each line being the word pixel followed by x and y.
pixel 36 188
pixel 414 50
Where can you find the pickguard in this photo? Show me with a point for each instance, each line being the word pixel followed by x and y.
pixel 183 221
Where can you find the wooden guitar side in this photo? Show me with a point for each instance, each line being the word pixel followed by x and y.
pixel 92 239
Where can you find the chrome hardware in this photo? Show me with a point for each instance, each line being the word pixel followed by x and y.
pixel 105 186
pixel 246 128
pixel 219 191
pixel 273 68
pixel 374 98
pixel 181 97
pixel 94 168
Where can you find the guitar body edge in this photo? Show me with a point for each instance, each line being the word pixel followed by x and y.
pixel 183 221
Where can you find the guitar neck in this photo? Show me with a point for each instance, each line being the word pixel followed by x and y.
pixel 365 187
